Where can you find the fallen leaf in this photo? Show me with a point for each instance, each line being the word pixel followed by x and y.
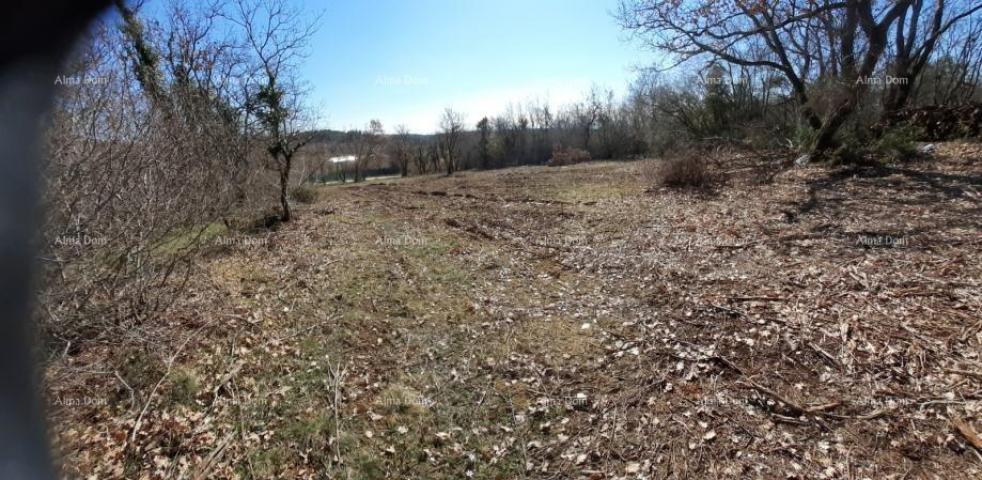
pixel 968 432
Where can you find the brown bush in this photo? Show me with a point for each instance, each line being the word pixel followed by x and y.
pixel 568 156
pixel 303 194
pixel 684 170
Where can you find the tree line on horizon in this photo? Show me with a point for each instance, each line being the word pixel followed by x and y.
pixel 806 75
pixel 809 76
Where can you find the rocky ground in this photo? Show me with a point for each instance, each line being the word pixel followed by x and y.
pixel 573 322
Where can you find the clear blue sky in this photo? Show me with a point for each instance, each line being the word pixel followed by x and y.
pixel 404 61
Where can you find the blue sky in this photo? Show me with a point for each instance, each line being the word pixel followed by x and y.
pixel 404 61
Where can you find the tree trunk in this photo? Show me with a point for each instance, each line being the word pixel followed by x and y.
pixel 825 140
pixel 898 93
pixel 284 186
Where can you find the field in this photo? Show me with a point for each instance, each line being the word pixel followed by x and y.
pixel 573 322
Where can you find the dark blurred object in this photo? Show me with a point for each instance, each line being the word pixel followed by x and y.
pixel 35 37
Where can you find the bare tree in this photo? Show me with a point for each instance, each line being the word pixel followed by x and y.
pixel 451 127
pixel 914 41
pixel 402 149
pixel 955 75
pixel 484 143
pixel 433 152
pixel 341 170
pixel 366 145
pixel 420 156
pixel 586 114
pixel 835 45
pixel 275 39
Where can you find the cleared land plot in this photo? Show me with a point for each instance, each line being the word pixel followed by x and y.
pixel 565 323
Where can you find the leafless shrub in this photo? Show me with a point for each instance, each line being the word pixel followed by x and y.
pixel 686 169
pixel 105 184
pixel 148 159
pixel 303 194
pixel 568 156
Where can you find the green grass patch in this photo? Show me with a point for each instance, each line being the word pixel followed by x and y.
pixel 188 239
pixel 183 387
